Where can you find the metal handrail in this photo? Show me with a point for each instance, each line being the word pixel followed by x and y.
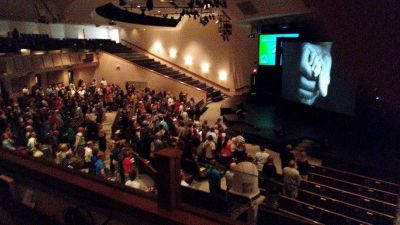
pixel 225 89
pixel 155 72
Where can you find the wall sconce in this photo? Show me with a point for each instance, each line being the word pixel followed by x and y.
pixel 205 67
pixel 188 60
pixel 158 46
pixel 172 53
pixel 222 75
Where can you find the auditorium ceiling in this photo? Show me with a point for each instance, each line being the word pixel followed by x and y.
pixel 242 12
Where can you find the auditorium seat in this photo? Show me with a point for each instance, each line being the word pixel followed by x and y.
pixel 213 202
pixel 345 208
pixel 316 213
pixel 282 217
pixel 356 178
pixel 355 188
pixel 353 198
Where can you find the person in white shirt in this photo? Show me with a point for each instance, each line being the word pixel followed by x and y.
pixel 261 158
pixel 33 146
pixel 103 82
pixel 170 102
pixel 209 148
pixel 32 142
pixel 184 115
pixel 25 91
pixel 212 133
pixel 79 138
pixel 88 154
pixel 81 92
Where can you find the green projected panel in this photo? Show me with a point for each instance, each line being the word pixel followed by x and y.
pixel 267 47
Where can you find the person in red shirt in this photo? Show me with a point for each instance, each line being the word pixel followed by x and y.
pixel 177 105
pixel 127 164
pixel 58 104
pixel 226 151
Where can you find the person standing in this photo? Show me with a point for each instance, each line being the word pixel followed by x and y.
pixel 102 140
pixel 291 180
pixel 229 174
pixel 88 154
pixel 286 156
pixel 260 158
pixel 226 151
pixel 303 165
pixel 99 166
pixel 214 178
pixel 209 148
pixel 270 175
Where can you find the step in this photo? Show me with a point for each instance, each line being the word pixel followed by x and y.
pixel 142 60
pixel 123 54
pixel 193 82
pixel 151 65
pixel 172 72
pixel 215 93
pixel 218 98
pixel 201 85
pixel 185 79
pixel 209 90
pixel 163 69
pixel 130 57
pixel 178 77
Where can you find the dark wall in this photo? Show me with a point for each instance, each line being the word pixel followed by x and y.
pixel 366 37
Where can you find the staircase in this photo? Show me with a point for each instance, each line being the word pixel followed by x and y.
pixel 140 58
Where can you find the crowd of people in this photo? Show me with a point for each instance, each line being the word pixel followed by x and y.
pixel 64 123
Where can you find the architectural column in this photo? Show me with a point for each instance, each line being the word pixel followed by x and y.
pixel 168 178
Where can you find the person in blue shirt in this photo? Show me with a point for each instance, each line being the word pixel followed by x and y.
pixel 99 166
pixel 214 178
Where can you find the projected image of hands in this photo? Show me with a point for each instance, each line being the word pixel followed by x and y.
pixel 315 71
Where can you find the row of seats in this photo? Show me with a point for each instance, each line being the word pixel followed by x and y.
pixel 353 198
pixel 316 213
pixel 345 208
pixel 358 179
pixel 330 197
pixel 354 188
